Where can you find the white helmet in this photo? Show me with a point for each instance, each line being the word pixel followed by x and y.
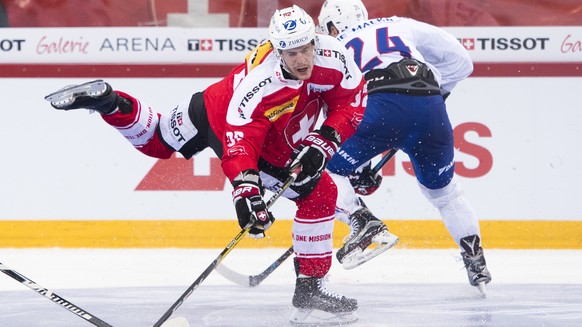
pixel 290 28
pixel 342 13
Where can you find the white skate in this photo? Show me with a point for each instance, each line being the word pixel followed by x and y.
pixel 369 237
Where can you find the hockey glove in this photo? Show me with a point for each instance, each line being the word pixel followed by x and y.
pixel 313 154
pixel 364 180
pixel 251 209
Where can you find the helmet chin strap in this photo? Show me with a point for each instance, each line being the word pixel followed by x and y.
pixel 286 71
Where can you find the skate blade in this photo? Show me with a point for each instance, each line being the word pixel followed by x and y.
pixel 176 322
pixel 380 243
pixel 316 318
pixel 482 289
pixel 67 95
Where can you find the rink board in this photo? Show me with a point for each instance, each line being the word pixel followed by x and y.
pixel 69 180
pixel 413 234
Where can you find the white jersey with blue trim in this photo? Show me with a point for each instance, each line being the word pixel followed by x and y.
pixel 378 42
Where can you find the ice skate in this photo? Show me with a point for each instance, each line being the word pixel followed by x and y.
pixel 317 306
pixel 369 237
pixel 475 264
pixel 95 95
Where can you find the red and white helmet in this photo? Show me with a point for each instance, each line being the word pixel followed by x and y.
pixel 342 13
pixel 290 28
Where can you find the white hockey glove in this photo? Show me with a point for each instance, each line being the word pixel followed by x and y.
pixel 251 209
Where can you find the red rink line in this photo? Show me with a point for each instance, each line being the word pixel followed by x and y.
pixel 567 69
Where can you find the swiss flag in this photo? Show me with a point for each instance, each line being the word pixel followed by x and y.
pixel 468 43
pixel 262 216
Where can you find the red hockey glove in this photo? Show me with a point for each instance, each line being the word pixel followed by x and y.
pixel 365 181
pixel 314 152
pixel 251 209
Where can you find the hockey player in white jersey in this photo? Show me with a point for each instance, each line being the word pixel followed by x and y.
pixel 410 68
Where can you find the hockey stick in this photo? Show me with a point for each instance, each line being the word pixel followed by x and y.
pixel 294 172
pixel 384 160
pixel 252 280
pixel 255 280
pixel 54 297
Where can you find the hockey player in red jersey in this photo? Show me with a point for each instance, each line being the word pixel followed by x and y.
pixel 260 120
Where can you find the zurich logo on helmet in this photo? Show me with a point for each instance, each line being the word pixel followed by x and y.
pixel 290 25
pixel 282 44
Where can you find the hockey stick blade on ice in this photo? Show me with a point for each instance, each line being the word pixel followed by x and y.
pixel 255 280
pixel 224 253
pixel 252 280
pixel 66 304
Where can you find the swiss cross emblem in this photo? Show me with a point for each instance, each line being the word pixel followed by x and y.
pixel 205 45
pixel 327 53
pixel 262 216
pixel 468 43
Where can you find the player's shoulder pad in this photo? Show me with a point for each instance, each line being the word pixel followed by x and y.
pixel 330 52
pixel 258 55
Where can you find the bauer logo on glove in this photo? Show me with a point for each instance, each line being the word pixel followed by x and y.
pixel 313 154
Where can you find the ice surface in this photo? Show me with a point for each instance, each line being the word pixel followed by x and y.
pixel 128 288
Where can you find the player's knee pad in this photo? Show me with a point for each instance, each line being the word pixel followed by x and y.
pixel 313 228
pixel 319 202
pixel 443 196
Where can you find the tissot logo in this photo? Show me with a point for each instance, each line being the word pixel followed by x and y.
pixel 502 43
pixel 222 44
pixel 11 45
pixel 200 45
pixel 254 90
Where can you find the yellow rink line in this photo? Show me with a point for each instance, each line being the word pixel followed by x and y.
pixel 217 234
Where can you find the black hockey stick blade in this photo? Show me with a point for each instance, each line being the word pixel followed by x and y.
pixel 66 304
pixel 252 280
pixel 256 280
